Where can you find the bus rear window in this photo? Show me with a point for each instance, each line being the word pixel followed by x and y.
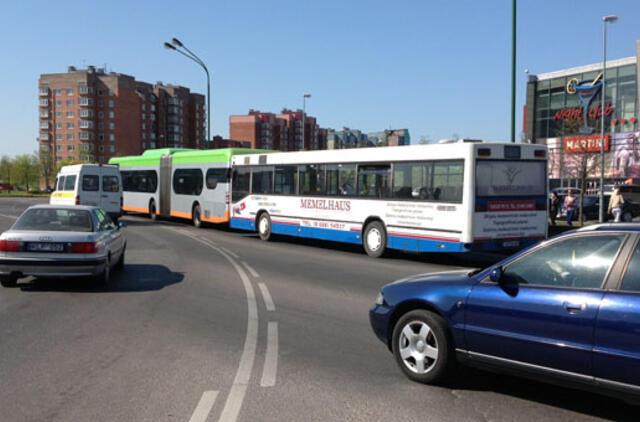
pixel 510 178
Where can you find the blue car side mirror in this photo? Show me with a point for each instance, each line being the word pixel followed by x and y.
pixel 496 275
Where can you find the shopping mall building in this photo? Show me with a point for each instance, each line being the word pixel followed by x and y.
pixel 564 111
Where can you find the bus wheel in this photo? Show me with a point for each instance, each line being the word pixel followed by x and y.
pixel 374 239
pixel 152 210
pixel 264 226
pixel 195 216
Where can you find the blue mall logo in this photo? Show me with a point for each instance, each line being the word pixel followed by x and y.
pixel 587 91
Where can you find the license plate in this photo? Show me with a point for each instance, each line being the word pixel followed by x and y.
pixel 511 244
pixel 45 247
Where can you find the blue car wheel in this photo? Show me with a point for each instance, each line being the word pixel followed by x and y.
pixel 422 347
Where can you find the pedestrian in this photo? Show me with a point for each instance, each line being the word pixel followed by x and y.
pixel 554 204
pixel 570 204
pixel 615 205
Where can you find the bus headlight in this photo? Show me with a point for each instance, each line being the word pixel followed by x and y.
pixel 379 299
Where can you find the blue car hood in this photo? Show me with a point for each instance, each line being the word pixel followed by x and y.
pixel 443 276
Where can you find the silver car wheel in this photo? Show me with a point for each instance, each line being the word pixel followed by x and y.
pixel 418 347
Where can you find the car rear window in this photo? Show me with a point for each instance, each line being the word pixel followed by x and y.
pixel 90 183
pixel 110 184
pixel 55 219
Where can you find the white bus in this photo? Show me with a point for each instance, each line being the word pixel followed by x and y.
pixel 453 197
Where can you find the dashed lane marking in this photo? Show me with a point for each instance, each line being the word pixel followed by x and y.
pixel 271 359
pixel 233 254
pixel 268 301
pixel 204 406
pixel 251 270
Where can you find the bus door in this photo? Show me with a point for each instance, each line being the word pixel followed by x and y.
pixel 215 198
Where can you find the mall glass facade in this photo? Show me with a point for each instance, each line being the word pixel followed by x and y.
pixel 556 116
pixel 552 97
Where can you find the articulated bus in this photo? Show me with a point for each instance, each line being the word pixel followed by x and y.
pixel 183 183
pixel 453 197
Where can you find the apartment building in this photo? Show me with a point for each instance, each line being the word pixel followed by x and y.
pixel 283 132
pixel 91 115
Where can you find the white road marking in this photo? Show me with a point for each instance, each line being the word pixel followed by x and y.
pixel 271 359
pixel 268 302
pixel 204 406
pixel 251 270
pixel 235 398
pixel 233 254
pixel 8 216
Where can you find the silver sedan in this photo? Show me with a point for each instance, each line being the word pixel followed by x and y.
pixel 61 241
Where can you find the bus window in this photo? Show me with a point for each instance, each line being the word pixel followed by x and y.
pixel 311 179
pixel 262 180
pixel 215 176
pixel 331 177
pixel 286 180
pixel 373 181
pixel 187 181
pixel 240 183
pixel 346 179
pixel 447 181
pixel 412 180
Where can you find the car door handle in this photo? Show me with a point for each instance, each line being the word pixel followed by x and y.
pixel 573 308
pixel 105 196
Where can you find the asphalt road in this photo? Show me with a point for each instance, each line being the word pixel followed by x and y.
pixel 210 324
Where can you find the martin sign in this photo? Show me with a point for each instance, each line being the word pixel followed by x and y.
pixel 592 143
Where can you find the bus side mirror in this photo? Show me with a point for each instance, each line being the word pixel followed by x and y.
pixel 496 275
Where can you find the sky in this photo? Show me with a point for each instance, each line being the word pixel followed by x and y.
pixel 437 68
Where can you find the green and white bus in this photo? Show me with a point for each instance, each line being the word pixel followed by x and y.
pixel 184 183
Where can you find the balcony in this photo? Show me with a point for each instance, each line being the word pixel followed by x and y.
pixel 86 124
pixel 85 90
pixel 44 124
pixel 44 114
pixel 86 136
pixel 44 136
pixel 85 102
pixel 43 91
pixel 44 102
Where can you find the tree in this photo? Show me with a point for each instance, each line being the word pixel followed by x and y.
pixel 6 169
pixel 47 165
pixel 27 170
pixel 424 139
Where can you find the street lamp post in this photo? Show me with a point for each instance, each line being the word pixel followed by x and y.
pixel 175 44
pixel 304 112
pixel 603 96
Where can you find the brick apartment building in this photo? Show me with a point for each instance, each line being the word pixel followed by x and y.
pixel 278 131
pixel 91 115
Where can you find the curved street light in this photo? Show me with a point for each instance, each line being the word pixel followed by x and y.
pixel 175 45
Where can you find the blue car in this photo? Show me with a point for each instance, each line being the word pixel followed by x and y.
pixel 566 310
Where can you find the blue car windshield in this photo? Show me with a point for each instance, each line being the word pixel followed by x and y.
pixel 52 219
